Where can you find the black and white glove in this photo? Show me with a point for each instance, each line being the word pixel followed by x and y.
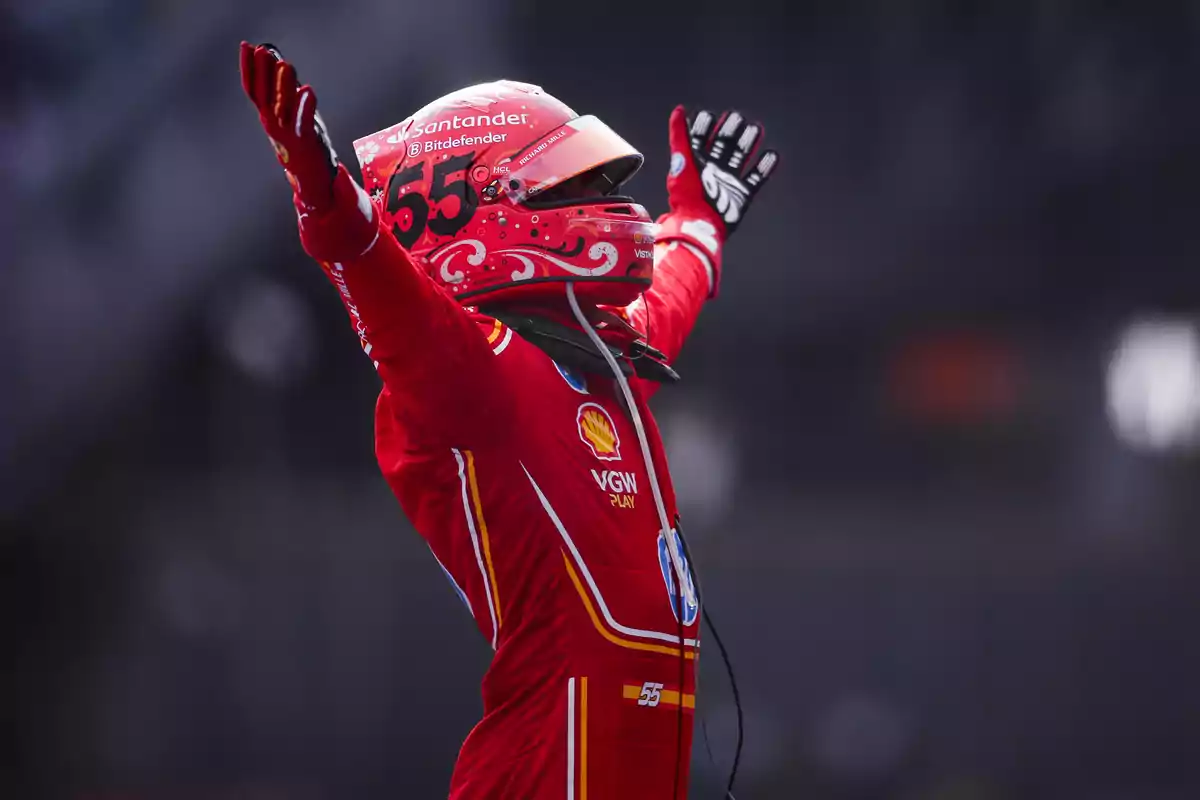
pixel 716 172
pixel 723 164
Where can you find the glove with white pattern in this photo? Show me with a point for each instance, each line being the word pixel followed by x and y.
pixel 716 172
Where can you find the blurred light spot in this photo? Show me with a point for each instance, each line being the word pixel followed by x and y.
pixel 956 377
pixel 703 462
pixel 1154 385
pixel 268 333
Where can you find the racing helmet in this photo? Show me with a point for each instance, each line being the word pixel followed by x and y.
pixel 503 193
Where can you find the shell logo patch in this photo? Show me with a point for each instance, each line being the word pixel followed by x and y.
pixel 597 431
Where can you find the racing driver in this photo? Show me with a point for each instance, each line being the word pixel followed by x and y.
pixel 521 313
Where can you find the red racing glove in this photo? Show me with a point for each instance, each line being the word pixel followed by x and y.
pixel 337 221
pixel 713 179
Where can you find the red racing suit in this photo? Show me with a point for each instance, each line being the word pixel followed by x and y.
pixel 528 483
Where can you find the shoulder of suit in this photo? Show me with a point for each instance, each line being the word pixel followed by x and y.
pixel 498 335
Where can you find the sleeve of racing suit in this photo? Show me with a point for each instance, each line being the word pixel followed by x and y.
pixel 433 357
pixel 683 281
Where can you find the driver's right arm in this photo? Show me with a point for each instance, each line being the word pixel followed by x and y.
pixel 436 360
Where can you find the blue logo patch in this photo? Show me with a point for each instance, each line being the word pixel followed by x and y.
pixel 677 164
pixel 457 589
pixel 692 609
pixel 573 377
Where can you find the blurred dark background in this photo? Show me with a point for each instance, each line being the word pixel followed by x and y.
pixel 936 440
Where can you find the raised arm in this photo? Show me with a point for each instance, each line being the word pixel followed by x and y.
pixel 683 282
pixel 435 359
pixel 432 355
pixel 714 176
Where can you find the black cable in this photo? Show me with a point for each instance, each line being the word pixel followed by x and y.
pixel 737 698
pixel 707 743
pixel 737 704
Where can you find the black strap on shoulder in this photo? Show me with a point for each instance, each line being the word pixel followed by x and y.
pixel 573 348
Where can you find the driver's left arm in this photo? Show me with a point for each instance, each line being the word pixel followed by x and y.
pixel 716 172
pixel 684 279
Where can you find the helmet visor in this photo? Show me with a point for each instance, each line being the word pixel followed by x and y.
pixel 583 144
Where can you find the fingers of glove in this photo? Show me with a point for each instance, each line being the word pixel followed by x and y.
pixel 762 169
pixel 745 145
pixel 304 118
pixel 286 93
pixel 725 138
pixel 679 137
pixel 264 78
pixel 677 130
pixel 247 69
pixel 701 129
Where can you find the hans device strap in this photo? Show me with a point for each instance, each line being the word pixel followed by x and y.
pixel 572 348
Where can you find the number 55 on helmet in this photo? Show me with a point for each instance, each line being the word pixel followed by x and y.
pixel 504 193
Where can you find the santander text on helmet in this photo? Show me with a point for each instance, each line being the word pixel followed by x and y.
pixel 472 121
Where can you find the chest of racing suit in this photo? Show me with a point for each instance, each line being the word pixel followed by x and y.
pixel 528 482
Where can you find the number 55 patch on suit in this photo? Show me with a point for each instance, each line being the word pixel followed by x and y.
pixel 653 695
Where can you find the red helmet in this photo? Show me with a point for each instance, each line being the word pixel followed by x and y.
pixel 503 193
